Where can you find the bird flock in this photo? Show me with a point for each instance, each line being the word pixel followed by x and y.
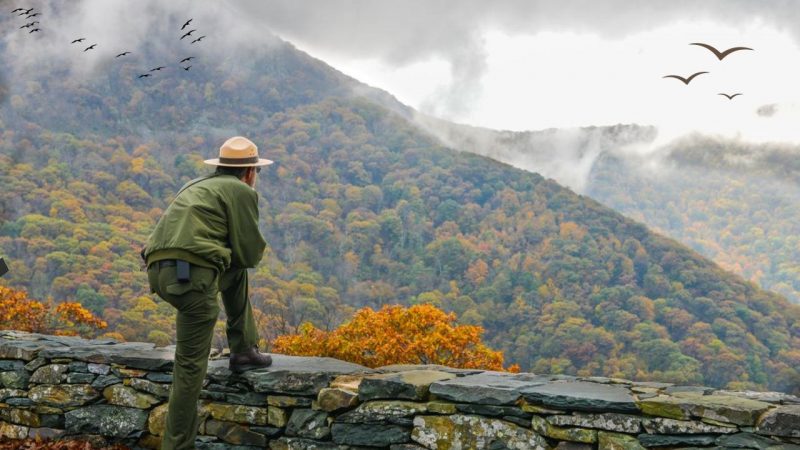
pixel 32 27
pixel 720 56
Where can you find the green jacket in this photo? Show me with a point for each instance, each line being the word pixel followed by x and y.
pixel 213 222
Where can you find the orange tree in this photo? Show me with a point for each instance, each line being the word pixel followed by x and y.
pixel 420 334
pixel 18 312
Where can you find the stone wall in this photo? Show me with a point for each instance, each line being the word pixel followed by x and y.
pixel 55 387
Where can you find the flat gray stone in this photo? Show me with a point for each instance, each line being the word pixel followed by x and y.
pixel 135 355
pixel 622 423
pixel 49 374
pixel 246 398
pixel 159 359
pixel 397 412
pixel 78 367
pixel 267 431
pixel 408 385
pixel 651 384
pixel 234 433
pixel 488 388
pixel 8 393
pixel 746 440
pixel 782 421
pixel 721 408
pixel 371 435
pixel 31 366
pixel 335 399
pixel 103 381
pixel 473 432
pixel 14 379
pixel 63 395
pixel 493 410
pixel 661 425
pixel 200 444
pixel 664 440
pixel 23 350
pixel 18 401
pixel 80 378
pixel 296 375
pixel 582 396
pixel 605 380
pixel 159 377
pixel 106 420
pixel 159 390
pixel 704 390
pixel 98 369
pixel 308 423
pixel 778 398
pixel 436 367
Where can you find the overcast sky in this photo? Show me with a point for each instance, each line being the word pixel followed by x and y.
pixel 519 65
pixel 533 64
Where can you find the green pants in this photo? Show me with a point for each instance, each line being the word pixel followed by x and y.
pixel 198 309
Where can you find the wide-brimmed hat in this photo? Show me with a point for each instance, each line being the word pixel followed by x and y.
pixel 238 152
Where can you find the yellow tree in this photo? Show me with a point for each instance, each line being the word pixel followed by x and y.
pixel 420 334
pixel 18 312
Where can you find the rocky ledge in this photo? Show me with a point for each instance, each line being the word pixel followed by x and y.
pixel 54 387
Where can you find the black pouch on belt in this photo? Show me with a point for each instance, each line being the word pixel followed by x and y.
pixel 182 271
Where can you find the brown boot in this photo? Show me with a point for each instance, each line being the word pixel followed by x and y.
pixel 248 360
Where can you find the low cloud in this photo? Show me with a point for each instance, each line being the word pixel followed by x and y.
pixel 401 33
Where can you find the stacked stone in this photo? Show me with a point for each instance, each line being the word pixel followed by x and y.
pixel 56 387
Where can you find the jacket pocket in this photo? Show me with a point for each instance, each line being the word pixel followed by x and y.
pixel 202 280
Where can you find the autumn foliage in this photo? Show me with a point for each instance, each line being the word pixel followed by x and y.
pixel 420 334
pixel 18 312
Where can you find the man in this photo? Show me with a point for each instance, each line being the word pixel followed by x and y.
pixel 201 247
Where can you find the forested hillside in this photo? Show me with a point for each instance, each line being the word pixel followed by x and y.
pixel 734 202
pixel 364 209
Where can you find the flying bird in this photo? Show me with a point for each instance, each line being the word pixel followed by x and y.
pixel 78 40
pixel 730 97
pixel 122 54
pixel 34 30
pixel 186 24
pixel 187 34
pixel 29 16
pixel 17 10
pixel 717 53
pixel 187 59
pixel 685 80
pixel 28 25
pixel 157 68
pixel 28 11
pixel 90 47
pixel 144 75
pixel 198 39
pixel 186 68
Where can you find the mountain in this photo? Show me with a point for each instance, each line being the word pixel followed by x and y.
pixel 362 208
pixel 734 202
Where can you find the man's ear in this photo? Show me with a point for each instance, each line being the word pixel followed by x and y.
pixel 250 175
